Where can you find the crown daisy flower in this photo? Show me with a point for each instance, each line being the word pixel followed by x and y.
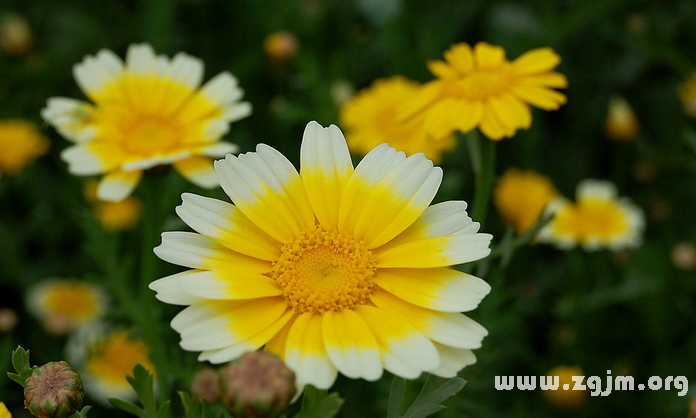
pixel 66 304
pixel 370 119
pixel 481 88
pixel 147 112
pixel 20 144
pixel 105 356
pixel 599 219
pixel 521 196
pixel 334 269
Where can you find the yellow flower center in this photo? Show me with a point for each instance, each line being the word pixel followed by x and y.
pixel 72 300
pixel 148 136
pixel 114 358
pixel 481 85
pixel 600 218
pixel 325 270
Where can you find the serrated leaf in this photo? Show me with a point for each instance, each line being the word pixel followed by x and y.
pixel 20 359
pixel 83 412
pixel 193 408
pixel 327 407
pixel 17 378
pixel 143 385
pixel 163 410
pixel 430 399
pixel 126 406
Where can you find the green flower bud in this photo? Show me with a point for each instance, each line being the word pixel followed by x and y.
pixel 53 390
pixel 259 385
pixel 205 386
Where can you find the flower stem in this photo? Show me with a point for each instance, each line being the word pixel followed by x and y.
pixel 482 154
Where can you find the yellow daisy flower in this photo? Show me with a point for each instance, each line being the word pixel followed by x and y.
pixel 65 304
pixel 20 144
pixel 4 412
pixel 370 119
pixel 105 357
pixel 334 269
pixel 480 87
pixel 621 123
pixel 687 94
pixel 521 196
pixel 146 112
pixel 599 219
pixel 566 398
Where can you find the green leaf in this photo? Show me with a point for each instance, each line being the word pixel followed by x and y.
pixel 312 397
pixel 320 407
pixel 193 408
pixel 429 400
pixel 20 362
pixel 82 413
pixel 126 406
pixel 396 397
pixel 163 410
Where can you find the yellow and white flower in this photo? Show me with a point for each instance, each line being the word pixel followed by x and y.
pixel 370 119
pixel 105 356
pixel 66 304
pixel 599 219
pixel 480 88
pixel 20 144
pixel 146 112
pixel 334 269
pixel 521 196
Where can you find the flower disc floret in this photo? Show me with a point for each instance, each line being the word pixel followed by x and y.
pixel 325 270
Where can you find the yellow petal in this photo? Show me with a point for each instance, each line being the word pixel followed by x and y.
pixel 306 354
pixel 198 170
pixel 536 61
pixel 541 97
pixel 118 185
pixel 351 346
pixel 488 56
pixel 461 58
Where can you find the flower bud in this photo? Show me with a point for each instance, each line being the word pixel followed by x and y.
pixel 205 386
pixel 281 46
pixel 15 35
pixel 621 123
pixel 683 256
pixel 53 390
pixel 259 385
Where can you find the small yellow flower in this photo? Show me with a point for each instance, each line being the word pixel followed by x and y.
pixel 4 412
pixel 146 112
pixel 20 144
pixel 117 216
pixel 105 357
pixel 521 196
pixel 687 93
pixel 566 398
pixel 621 123
pixel 334 269
pixel 281 46
pixel 65 304
pixel 480 87
pixel 599 219
pixel 370 119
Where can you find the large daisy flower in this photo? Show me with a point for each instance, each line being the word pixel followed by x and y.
pixel 146 112
pixel 334 269
pixel 480 87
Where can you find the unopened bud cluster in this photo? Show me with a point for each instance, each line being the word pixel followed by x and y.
pixel 53 390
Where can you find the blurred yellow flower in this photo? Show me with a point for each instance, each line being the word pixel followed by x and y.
pixel 599 219
pixel 369 119
pixel 65 304
pixel 480 87
pixel 105 357
pixel 687 93
pixel 146 112
pixel 566 398
pixel 621 123
pixel 521 196
pixel 4 413
pixel 113 216
pixel 20 144
pixel 281 46
pixel 16 36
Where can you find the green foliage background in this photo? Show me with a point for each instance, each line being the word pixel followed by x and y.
pixel 630 312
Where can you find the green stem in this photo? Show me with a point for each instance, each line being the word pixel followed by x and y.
pixel 482 153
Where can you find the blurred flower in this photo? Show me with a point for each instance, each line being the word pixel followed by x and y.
pixel 146 113
pixel 206 386
pixel 4 413
pixel 687 93
pixel 521 196
pixel 15 35
pixel 341 91
pixel 113 216
pixel 53 390
pixel 65 304
pixel 621 123
pixel 257 385
pixel 333 269
pixel 481 88
pixel 683 256
pixel 20 144
pixel 106 356
pixel 281 46
pixel 8 319
pixel 599 219
pixel 566 398
pixel 370 119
